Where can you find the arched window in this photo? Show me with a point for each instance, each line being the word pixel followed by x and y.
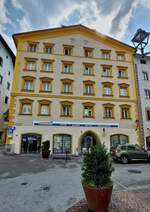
pixel 62 143
pixel 1 61
pixel 118 139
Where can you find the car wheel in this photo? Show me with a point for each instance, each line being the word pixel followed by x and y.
pixel 124 159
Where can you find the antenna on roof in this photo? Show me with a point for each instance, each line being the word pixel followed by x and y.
pixel 140 41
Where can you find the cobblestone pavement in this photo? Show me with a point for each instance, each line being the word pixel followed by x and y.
pixel 28 183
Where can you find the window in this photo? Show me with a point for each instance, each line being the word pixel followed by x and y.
pixel 88 87
pixel 26 106
pixel 67 67
pixel 6 99
pixel 125 112
pixel 108 110
pixel 44 107
pixel 1 79
pixel 147 114
pixel 66 109
pixel 123 90
pixel 48 48
pixel 107 89
pixel 89 69
pixel 46 84
pixel 147 94
pixel 67 86
pixel 145 75
pixel 88 52
pixel 47 65
pixel 88 110
pixel 118 139
pixel 30 64
pixel 8 86
pixel 8 73
pixel 28 83
pixel 106 71
pixel 62 143
pixel 120 56
pixel 68 50
pixel 1 61
pixel 143 61
pixel 105 54
pixel 122 72
pixel 32 47
pixel 26 109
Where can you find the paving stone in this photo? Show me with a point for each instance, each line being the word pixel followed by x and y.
pixel 121 202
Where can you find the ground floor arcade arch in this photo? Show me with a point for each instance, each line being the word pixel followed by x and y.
pixel 88 139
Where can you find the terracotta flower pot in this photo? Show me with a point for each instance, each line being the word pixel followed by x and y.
pixel 98 199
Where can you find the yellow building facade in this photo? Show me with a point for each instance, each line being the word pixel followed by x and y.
pixel 74 87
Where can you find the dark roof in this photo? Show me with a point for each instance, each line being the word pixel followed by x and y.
pixel 72 26
pixel 8 48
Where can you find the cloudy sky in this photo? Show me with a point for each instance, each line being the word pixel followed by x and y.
pixel 117 18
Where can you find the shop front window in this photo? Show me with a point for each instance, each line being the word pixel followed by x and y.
pixel 62 144
pixel 118 139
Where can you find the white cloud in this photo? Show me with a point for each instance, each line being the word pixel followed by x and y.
pixel 3 16
pixel 3 21
pixel 98 14
pixel 108 17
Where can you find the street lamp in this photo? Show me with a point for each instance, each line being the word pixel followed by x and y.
pixel 140 41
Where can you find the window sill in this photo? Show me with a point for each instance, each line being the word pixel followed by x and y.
pixel 88 57
pixel 122 77
pixel 108 117
pixel 25 114
pixel 106 58
pixel 66 92
pixel 121 60
pixel 70 116
pixel 126 118
pixel 89 94
pixel 88 74
pixel 108 95
pixel 67 73
pixel 41 91
pixel 32 70
pixel 107 76
pixel 91 117
pixel 24 90
pixel 67 54
pixel 43 114
pixel 124 96
pixel 46 71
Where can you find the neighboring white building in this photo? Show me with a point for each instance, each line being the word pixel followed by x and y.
pixel 7 59
pixel 143 79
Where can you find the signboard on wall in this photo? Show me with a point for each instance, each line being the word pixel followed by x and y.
pixel 75 124
pixel 10 131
